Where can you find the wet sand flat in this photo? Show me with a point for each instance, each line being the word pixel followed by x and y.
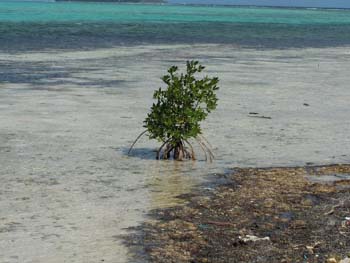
pixel 68 190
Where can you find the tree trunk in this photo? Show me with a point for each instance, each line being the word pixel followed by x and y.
pixel 178 152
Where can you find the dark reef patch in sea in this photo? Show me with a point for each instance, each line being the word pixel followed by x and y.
pixel 29 36
pixel 48 76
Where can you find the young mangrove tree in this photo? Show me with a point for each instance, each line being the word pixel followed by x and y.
pixel 175 117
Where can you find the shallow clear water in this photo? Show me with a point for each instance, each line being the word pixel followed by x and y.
pixel 72 25
pixel 68 118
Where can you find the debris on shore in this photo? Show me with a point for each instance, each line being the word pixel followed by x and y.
pixel 259 215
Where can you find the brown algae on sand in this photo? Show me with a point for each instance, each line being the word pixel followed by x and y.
pixel 259 215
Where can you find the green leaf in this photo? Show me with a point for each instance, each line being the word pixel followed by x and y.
pixel 182 105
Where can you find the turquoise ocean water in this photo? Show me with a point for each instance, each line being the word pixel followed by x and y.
pixel 77 25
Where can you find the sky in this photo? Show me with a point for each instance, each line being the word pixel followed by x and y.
pixel 294 3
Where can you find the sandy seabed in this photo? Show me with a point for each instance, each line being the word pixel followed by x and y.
pixel 68 190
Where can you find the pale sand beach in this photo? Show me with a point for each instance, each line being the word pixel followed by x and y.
pixel 68 190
